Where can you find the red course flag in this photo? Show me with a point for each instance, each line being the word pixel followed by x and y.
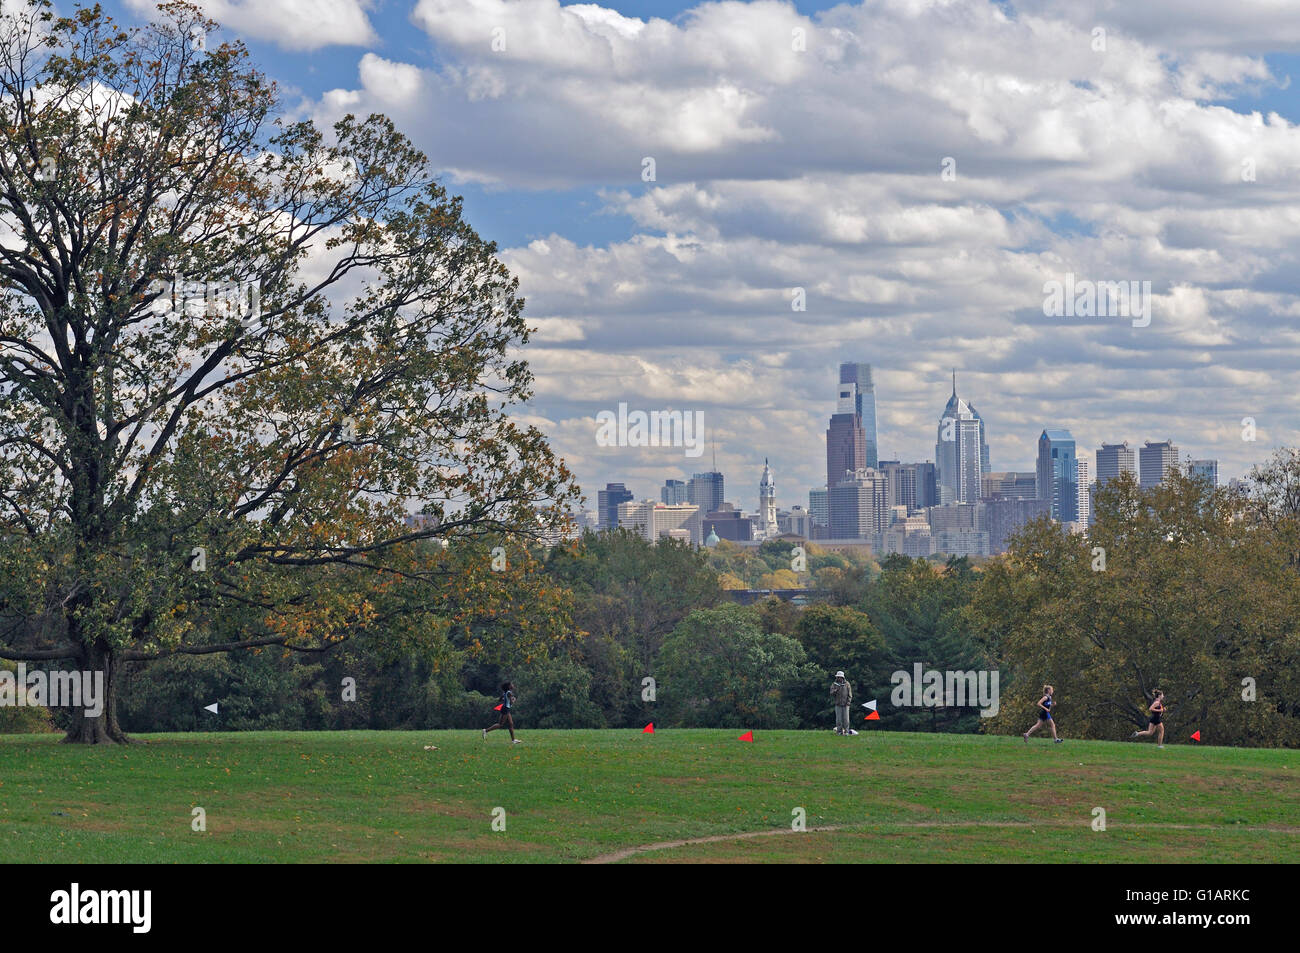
pixel 874 716
pixel 1197 736
pixel 498 708
pixel 648 729
pixel 747 736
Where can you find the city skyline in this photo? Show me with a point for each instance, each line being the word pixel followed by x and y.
pixel 794 494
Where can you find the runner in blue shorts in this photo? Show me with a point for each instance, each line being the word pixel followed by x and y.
pixel 1044 715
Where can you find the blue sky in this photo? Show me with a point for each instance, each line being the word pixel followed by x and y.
pixel 820 169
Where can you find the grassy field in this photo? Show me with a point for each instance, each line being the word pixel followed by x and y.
pixel 284 797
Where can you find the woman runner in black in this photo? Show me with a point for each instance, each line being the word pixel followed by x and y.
pixel 1044 715
pixel 507 721
pixel 1157 725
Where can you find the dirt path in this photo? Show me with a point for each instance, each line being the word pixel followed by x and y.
pixel 627 852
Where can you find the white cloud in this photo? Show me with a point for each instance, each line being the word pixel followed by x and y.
pixel 290 24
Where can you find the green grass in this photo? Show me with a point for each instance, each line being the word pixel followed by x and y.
pixel 286 797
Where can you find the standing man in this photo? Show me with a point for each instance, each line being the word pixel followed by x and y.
pixel 842 693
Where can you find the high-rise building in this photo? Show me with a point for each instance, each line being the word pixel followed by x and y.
pixel 865 403
pixel 962 542
pixel 672 520
pixel 1084 507
pixel 910 484
pixel 767 504
pixel 1155 460
pixel 858 505
pixel 1009 485
pixel 961 453
pixel 846 443
pixel 846 449
pixel 607 503
pixel 954 516
pixel 797 521
pixel 817 507
pixel 706 491
pixel 1004 516
pixel 634 516
pixel 652 520
pixel 1207 470
pixel 1114 459
pixel 673 492
pixel 1058 474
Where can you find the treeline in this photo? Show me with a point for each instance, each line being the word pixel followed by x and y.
pixel 1185 588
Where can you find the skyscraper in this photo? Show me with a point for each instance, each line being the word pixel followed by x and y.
pixel 1114 459
pixel 846 442
pixel 846 449
pixel 910 484
pixel 607 502
pixel 652 520
pixel 1006 515
pixel 865 404
pixel 961 453
pixel 673 492
pixel 859 509
pixel 1155 460
pixel 1058 474
pixel 706 491
pixel 817 506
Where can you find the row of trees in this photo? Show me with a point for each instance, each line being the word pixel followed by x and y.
pixel 1185 588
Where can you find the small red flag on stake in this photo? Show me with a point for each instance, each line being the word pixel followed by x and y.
pixel 648 729
pixel 874 716
pixel 1197 735
pixel 498 708
pixel 747 736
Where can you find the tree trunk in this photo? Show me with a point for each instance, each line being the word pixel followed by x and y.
pixel 101 729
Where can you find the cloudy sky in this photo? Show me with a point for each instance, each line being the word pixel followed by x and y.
pixel 919 167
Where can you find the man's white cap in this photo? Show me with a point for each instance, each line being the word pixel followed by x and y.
pixel 839 674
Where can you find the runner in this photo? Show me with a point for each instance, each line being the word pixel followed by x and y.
pixel 507 705
pixel 1044 715
pixel 1156 725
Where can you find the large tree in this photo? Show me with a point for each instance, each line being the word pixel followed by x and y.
pixel 235 352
